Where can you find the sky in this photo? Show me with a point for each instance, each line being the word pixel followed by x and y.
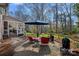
pixel 13 7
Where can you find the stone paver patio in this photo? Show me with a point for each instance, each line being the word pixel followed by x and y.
pixel 23 47
pixel 26 49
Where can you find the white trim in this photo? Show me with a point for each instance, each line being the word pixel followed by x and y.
pixel 8 29
pixel 17 29
pixel 1 27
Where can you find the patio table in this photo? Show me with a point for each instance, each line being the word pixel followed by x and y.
pixel 37 39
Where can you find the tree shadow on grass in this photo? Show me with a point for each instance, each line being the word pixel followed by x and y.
pixel 27 44
pixel 26 53
pixel 44 50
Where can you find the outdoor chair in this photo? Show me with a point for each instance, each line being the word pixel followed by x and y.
pixel 75 52
pixel 52 39
pixel 69 52
pixel 30 38
pixel 64 52
pixel 44 41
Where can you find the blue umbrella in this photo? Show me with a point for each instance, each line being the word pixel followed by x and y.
pixel 37 23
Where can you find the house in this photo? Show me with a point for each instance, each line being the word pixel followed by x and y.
pixel 10 26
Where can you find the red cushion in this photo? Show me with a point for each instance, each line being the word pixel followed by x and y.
pixel 44 40
pixel 30 38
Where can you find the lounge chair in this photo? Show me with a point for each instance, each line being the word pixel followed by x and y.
pixel 30 38
pixel 44 41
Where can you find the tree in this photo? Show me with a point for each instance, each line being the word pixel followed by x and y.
pixel 76 10
pixel 60 15
pixel 38 12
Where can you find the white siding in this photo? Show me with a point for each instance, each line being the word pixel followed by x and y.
pixel 20 28
pixel 1 27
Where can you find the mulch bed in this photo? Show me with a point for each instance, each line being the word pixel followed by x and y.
pixel 6 50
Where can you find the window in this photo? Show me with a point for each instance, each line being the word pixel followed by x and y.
pixel 1 10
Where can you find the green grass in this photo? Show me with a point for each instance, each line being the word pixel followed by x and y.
pixel 44 35
pixel 35 35
pixel 60 36
pixel 31 34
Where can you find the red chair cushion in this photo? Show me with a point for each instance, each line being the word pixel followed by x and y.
pixel 44 40
pixel 30 38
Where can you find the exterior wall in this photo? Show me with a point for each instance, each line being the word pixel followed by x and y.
pixel 17 25
pixel 1 27
pixel 20 28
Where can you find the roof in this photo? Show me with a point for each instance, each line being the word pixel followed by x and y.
pixel 11 18
pixel 3 5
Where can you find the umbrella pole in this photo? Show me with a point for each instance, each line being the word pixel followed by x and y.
pixel 37 31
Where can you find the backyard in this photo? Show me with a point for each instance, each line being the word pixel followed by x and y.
pixel 74 37
pixel 22 47
pixel 38 29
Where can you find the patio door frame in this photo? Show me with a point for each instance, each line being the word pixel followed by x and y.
pixel 7 28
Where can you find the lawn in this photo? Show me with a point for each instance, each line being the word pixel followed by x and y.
pixel 35 35
pixel 59 36
pixel 31 34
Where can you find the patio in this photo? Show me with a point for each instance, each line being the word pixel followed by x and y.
pixel 42 25
pixel 26 49
pixel 23 47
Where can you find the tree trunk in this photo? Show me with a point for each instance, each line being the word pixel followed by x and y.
pixel 56 18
